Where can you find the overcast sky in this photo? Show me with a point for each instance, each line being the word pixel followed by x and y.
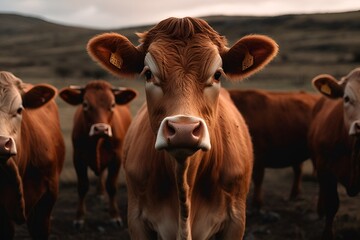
pixel 122 13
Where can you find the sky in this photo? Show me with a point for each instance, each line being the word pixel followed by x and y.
pixel 106 14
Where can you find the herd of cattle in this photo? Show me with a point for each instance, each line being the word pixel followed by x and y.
pixel 191 150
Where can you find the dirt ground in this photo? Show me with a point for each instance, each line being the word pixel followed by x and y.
pixel 283 219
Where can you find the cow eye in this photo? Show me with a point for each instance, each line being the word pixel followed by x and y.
pixel 113 106
pixel 85 106
pixel 346 99
pixel 217 75
pixel 148 75
pixel 19 110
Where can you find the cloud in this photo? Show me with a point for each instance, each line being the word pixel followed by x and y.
pixel 115 13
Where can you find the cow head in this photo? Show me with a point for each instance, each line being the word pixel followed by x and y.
pixel 348 88
pixel 182 63
pixel 15 97
pixel 98 99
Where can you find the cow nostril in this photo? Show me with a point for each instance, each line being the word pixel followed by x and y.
pixel 170 129
pixel 197 130
pixel 8 145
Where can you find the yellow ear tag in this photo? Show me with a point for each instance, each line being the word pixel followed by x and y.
pixel 325 89
pixel 114 60
pixel 248 61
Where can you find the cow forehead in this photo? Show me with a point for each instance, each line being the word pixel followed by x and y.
pixel 353 84
pixel 99 96
pixel 166 57
pixel 10 99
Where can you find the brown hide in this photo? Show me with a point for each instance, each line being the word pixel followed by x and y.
pixel 187 154
pixel 95 153
pixel 278 123
pixel 100 124
pixel 30 180
pixel 334 142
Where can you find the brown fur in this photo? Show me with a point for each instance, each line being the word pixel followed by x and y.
pixel 334 139
pixel 278 123
pixel 204 195
pixel 98 153
pixel 331 153
pixel 35 170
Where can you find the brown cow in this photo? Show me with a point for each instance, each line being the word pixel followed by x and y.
pixel 32 153
pixel 100 124
pixel 334 139
pixel 188 153
pixel 278 123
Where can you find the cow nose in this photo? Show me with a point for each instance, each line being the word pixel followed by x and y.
pixel 7 147
pixel 355 128
pixel 183 132
pixel 100 129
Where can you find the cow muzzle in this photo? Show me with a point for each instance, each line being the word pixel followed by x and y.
pixel 355 128
pixel 183 135
pixel 7 148
pixel 101 130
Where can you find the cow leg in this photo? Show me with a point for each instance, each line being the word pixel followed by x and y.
pixel 6 226
pixel 137 228
pixel 111 188
pixel 258 177
pixel 100 188
pixel 328 202
pixel 296 187
pixel 236 227
pixel 83 188
pixel 38 221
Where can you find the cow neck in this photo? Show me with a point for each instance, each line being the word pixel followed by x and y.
pixel 17 204
pixel 183 189
pixel 354 185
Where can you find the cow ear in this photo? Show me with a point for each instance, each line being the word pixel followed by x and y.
pixel 328 86
pixel 38 96
pixel 72 95
pixel 124 95
pixel 248 55
pixel 116 54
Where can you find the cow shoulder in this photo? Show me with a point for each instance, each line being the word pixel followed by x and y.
pixel 237 153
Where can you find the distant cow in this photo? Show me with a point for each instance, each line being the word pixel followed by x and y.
pixel 278 123
pixel 188 154
pixel 100 124
pixel 334 139
pixel 32 153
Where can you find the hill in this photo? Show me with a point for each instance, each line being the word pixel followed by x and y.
pixel 309 45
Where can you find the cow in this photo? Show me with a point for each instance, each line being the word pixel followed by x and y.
pixel 278 123
pixel 100 123
pixel 187 154
pixel 334 142
pixel 32 153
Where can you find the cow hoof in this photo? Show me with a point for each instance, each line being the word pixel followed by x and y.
pixel 78 224
pixel 117 222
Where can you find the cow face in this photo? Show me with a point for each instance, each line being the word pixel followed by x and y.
pixel 348 88
pixel 14 99
pixel 98 100
pixel 182 62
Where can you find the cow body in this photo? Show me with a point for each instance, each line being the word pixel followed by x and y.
pixel 29 174
pixel 100 124
pixel 278 123
pixel 187 154
pixel 334 141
